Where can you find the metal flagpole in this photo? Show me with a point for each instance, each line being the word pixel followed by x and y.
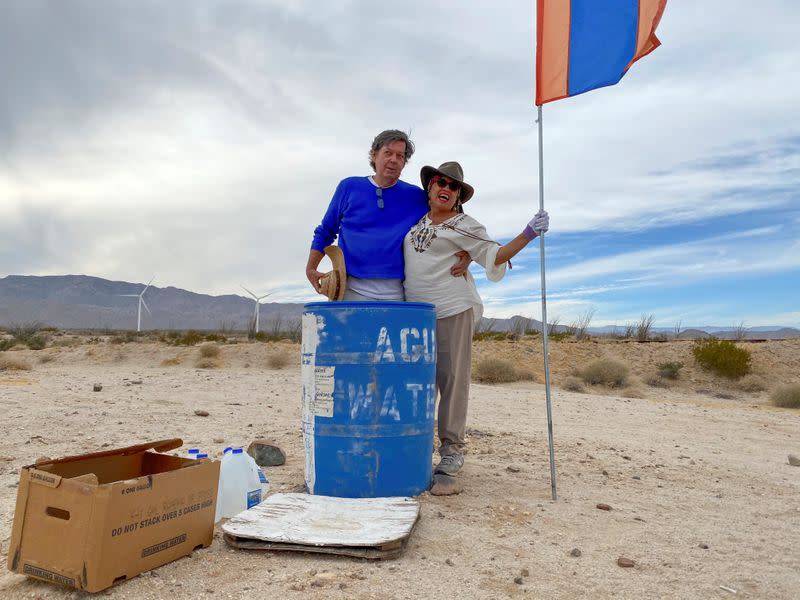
pixel 544 315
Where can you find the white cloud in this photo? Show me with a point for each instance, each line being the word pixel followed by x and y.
pixel 201 141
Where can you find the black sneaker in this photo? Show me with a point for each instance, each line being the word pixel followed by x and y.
pixel 450 464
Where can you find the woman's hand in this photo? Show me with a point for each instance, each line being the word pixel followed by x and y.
pixel 539 224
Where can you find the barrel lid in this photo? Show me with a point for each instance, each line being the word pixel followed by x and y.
pixel 393 304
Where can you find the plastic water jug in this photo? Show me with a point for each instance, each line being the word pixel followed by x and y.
pixel 239 486
pixel 221 486
pixel 261 476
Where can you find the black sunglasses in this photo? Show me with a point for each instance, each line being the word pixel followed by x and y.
pixel 379 193
pixel 453 185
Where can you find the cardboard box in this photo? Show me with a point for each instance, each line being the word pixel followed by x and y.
pixel 93 520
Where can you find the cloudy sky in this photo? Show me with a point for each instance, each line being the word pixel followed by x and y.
pixel 200 142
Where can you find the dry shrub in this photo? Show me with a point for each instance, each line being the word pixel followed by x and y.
pixel 494 370
pixel 170 362
pixel 573 384
pixel 210 350
pixel 656 380
pixel 12 363
pixel 207 363
pixel 633 391
pixel 752 383
pixel 787 396
pixel 669 370
pixel 46 358
pixel 605 371
pixel 278 360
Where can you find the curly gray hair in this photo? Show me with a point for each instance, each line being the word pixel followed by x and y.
pixel 387 137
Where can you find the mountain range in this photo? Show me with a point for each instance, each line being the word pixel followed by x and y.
pixel 85 302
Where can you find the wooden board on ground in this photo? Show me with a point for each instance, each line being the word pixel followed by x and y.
pixel 376 528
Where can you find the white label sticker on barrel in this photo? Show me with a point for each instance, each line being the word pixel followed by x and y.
pixel 323 396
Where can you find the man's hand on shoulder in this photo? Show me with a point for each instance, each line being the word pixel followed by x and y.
pixel 462 264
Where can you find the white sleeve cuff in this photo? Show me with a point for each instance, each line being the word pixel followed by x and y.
pixel 494 272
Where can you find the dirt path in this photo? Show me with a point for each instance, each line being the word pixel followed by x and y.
pixel 679 470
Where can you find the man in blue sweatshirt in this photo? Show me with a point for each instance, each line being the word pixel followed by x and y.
pixel 371 216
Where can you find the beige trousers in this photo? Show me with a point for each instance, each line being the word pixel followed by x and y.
pixel 453 372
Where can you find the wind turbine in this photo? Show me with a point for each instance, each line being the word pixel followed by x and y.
pixel 140 296
pixel 258 300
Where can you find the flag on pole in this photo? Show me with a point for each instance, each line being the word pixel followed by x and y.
pixel 582 45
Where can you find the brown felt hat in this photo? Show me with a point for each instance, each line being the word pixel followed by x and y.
pixel 334 284
pixel 449 169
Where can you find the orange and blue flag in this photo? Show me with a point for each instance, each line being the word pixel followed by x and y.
pixel 582 45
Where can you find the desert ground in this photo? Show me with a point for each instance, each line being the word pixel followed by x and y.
pixel 702 498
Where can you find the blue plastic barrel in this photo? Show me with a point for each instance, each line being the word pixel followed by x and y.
pixel 369 397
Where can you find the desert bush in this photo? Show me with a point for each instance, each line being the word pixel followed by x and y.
pixel 227 327
pixel 526 374
pixel 552 326
pixel 580 327
pixel 494 335
pixel 209 350
pixel 124 337
pixel 291 332
pixel 12 363
pixel 722 357
pixel 787 396
pixel 7 343
pixel 752 383
pixel 495 370
pixel 206 363
pixel 739 331
pixel 633 391
pixel 29 334
pixel 657 380
pixel 669 370
pixel 37 342
pixel 23 332
pixel 560 336
pixel 573 384
pixel 46 358
pixel 190 338
pixel 643 327
pixel 278 360
pixel 605 371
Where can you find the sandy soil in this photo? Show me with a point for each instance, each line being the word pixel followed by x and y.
pixel 696 475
